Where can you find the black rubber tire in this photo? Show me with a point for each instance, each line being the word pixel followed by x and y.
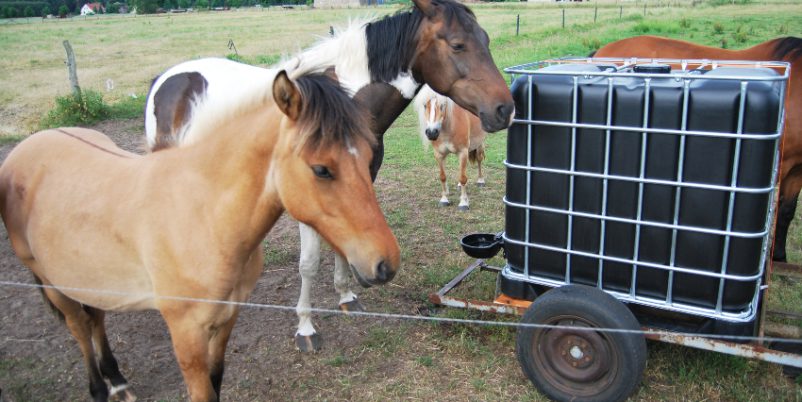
pixel 575 364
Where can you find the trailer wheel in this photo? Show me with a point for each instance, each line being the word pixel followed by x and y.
pixel 576 364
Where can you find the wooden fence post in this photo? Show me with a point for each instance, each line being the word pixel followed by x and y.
pixel 563 18
pixel 72 69
pixel 517 24
pixel 620 12
pixel 595 13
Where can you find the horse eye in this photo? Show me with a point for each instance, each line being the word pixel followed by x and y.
pixel 322 172
pixel 458 47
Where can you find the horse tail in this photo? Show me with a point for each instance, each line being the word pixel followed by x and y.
pixel 593 53
pixel 53 308
pixel 476 154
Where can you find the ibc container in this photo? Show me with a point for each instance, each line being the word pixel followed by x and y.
pixel 654 184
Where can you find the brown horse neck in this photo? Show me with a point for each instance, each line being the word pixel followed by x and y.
pixel 233 167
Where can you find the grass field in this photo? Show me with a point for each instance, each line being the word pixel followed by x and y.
pixel 460 362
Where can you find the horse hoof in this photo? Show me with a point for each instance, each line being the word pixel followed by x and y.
pixel 353 305
pixel 480 184
pixel 122 394
pixel 444 203
pixel 308 343
pixel 463 207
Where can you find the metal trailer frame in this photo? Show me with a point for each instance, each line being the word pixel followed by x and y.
pixel 687 73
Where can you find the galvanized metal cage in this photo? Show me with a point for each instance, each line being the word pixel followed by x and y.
pixel 609 133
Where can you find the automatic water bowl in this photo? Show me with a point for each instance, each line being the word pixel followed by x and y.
pixel 482 245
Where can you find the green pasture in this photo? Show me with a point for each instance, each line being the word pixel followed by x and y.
pixel 442 362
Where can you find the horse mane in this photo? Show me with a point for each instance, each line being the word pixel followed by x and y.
pixel 787 48
pixel 345 46
pixel 329 117
pixel 391 39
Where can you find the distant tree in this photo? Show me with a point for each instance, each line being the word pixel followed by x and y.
pixel 234 3
pixel 183 3
pixel 11 12
pixel 63 11
pixel 167 5
pixel 146 6
pixel 28 12
pixel 45 10
pixel 113 8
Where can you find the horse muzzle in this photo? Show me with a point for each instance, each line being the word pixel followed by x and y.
pixel 383 274
pixel 432 133
pixel 497 118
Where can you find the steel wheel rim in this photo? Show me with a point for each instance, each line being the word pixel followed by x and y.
pixel 577 362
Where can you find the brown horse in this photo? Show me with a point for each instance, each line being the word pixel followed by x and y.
pixel 782 49
pixel 82 213
pixel 451 130
pixel 383 63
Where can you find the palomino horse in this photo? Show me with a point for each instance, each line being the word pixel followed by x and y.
pixel 782 49
pixel 383 63
pixel 81 212
pixel 451 130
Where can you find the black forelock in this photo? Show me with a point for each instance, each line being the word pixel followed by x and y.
pixel 329 117
pixel 392 39
pixel 788 48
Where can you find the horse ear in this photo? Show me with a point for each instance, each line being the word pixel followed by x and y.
pixel 331 72
pixel 287 95
pixel 425 6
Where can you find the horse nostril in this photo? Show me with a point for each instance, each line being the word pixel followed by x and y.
pixel 384 273
pixel 503 111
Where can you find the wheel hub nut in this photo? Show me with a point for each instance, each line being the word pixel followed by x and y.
pixel 576 352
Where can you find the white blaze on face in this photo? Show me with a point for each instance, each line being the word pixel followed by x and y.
pixel 351 149
pixel 432 122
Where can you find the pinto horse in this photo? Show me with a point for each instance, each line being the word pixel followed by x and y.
pixel 81 212
pixel 782 49
pixel 382 63
pixel 451 130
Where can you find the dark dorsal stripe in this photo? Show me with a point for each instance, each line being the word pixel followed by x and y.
pixel 172 105
pixel 329 117
pixel 788 48
pixel 93 145
pixel 392 40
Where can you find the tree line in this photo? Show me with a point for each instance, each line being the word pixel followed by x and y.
pixel 63 8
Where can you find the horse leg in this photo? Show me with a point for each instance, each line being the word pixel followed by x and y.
pixel 108 364
pixel 191 340
pixel 480 156
pixel 463 181
pixel 79 322
pixel 789 195
pixel 306 338
pixel 440 158
pixel 217 352
pixel 348 299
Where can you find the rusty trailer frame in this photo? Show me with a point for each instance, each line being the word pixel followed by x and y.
pixel 506 305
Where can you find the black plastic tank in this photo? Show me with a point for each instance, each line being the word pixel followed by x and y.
pixel 713 105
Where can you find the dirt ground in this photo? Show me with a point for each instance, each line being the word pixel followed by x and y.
pixel 40 361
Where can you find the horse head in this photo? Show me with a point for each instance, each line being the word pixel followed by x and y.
pixel 432 110
pixel 321 174
pixel 454 59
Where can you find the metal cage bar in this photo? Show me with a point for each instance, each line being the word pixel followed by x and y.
pixel 690 72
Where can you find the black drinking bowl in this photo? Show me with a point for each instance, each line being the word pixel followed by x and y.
pixel 481 245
